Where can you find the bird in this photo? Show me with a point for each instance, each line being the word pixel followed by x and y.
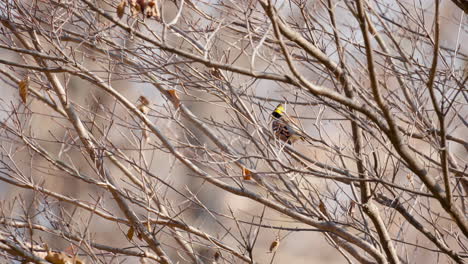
pixel 283 128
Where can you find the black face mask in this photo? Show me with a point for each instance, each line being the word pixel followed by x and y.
pixel 275 114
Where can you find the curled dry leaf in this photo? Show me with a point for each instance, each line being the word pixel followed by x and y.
pixel 216 256
pixel 121 8
pixel 152 9
pixel 136 6
pixel 143 105
pixel 274 245
pixel 410 178
pixel 23 86
pixel 174 97
pixel 247 174
pixel 216 73
pixel 149 8
pixel 323 209
pixel 351 208
pixel 130 233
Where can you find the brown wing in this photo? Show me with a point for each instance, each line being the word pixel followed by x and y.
pixel 284 132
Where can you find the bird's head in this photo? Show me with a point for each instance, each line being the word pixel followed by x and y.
pixel 278 112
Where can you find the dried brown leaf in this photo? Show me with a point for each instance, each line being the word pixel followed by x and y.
pixel 143 105
pixel 274 245
pixel 174 96
pixel 23 86
pixel 216 73
pixel 152 9
pixel 130 233
pixel 135 7
pixel 216 256
pixel 323 209
pixel 247 174
pixel 351 208
pixel 121 8
pixel 410 178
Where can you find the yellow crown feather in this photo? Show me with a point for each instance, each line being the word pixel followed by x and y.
pixel 279 109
